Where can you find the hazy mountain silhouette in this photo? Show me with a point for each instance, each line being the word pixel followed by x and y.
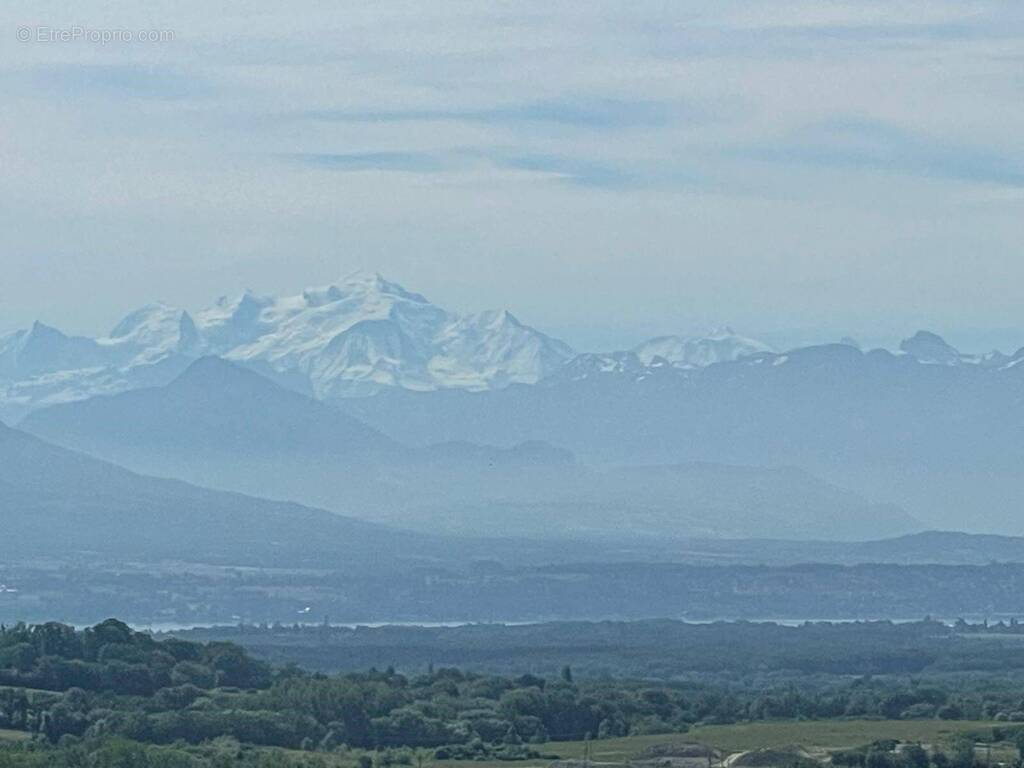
pixel 223 426
pixel 214 408
pixel 944 441
pixel 58 502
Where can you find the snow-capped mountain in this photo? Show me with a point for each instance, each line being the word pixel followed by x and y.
pixel 42 366
pixel 152 334
pixel 588 364
pixel 720 346
pixel 359 336
pixel 43 349
pixel 673 356
pixel 932 349
pixel 366 333
pixel 354 337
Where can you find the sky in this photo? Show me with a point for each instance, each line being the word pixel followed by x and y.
pixel 609 171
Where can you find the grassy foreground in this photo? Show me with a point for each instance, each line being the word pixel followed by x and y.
pixel 826 734
pixel 814 735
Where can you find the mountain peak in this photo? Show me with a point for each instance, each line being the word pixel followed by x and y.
pixel 362 277
pixel 928 337
pixel 43 348
pixel 355 336
pixel 928 347
pixel 40 327
pixel 496 318
pixel 718 346
pixel 363 282
pixel 42 334
pixel 248 298
pixel 142 316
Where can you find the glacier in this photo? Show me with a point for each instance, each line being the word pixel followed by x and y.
pixel 356 337
pixel 348 339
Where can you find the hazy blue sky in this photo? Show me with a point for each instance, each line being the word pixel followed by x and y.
pixel 800 170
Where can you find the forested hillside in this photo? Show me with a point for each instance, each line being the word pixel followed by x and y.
pixel 110 696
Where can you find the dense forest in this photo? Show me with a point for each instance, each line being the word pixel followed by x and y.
pixel 715 652
pixel 114 688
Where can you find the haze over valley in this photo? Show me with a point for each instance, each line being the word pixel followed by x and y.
pixel 362 434
pixel 457 385
pixel 365 399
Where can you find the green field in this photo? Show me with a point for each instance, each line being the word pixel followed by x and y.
pixel 814 735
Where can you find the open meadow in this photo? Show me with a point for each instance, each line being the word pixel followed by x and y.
pixel 817 737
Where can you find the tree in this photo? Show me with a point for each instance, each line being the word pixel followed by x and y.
pixel 915 756
pixel 112 632
pixel 962 755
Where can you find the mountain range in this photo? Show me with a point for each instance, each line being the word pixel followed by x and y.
pixel 480 424
pixel 360 336
pixel 942 440
pixel 357 337
pixel 58 503
pixel 221 425
pixel 59 506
